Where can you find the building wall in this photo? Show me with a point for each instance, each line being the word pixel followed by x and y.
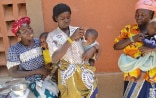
pixel 107 16
pixel 10 10
pixel 36 15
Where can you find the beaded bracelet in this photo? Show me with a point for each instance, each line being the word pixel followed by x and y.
pixel 131 39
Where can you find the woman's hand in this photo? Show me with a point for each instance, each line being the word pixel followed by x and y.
pixel 138 37
pixel 14 72
pixel 43 71
pixel 145 50
pixel 59 53
pixel 78 34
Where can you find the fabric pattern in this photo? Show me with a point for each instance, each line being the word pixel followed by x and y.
pixel 30 59
pixel 27 58
pixel 17 24
pixel 132 49
pixel 132 60
pixel 142 89
pixel 57 38
pixel 44 89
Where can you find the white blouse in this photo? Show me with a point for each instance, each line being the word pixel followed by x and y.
pixel 57 38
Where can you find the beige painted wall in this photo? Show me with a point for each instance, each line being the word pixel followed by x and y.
pixel 34 11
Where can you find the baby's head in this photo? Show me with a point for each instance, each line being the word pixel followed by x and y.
pixel 43 38
pixel 91 35
pixel 151 27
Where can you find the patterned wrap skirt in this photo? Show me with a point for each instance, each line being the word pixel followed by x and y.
pixel 76 81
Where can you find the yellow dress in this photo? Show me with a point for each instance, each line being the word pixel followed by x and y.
pixel 47 58
pixel 133 51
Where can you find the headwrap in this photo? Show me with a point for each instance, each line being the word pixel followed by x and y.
pixel 146 4
pixel 18 23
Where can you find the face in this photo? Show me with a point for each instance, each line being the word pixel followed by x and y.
pixel 90 38
pixel 151 28
pixel 43 43
pixel 142 16
pixel 63 20
pixel 26 32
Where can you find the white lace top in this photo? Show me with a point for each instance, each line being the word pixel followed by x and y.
pixel 57 38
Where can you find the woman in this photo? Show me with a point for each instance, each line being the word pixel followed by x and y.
pixel 25 60
pixel 130 41
pixel 75 79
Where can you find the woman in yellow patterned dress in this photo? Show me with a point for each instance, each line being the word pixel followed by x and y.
pixel 135 60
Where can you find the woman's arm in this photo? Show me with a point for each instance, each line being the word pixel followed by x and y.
pixel 123 43
pixel 14 72
pixel 58 54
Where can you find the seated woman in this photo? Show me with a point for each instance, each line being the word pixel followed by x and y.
pixel 25 60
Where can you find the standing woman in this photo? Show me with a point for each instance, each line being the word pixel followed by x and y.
pixel 25 60
pixel 129 41
pixel 75 79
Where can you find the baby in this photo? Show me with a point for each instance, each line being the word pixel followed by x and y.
pixel 90 41
pixel 45 51
pixel 150 41
pixel 46 56
pixel 150 38
pixel 90 38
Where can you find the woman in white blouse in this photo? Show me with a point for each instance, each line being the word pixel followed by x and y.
pixel 75 78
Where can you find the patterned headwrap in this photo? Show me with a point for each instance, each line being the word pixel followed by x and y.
pixel 18 23
pixel 146 4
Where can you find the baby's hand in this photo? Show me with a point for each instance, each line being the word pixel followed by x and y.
pixel 138 37
pixel 145 50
